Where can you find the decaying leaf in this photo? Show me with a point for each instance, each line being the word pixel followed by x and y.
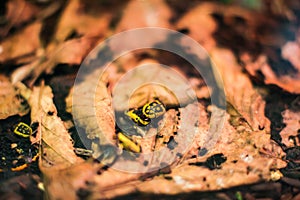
pixel 280 67
pixel 87 180
pixel 83 20
pixel 15 46
pixel 11 101
pixel 240 92
pixel 89 24
pixel 71 181
pixel 167 129
pixel 291 52
pixel 199 24
pixel 71 52
pixel 138 14
pixel 151 81
pixel 57 147
pixel 245 151
pixel 92 110
pixel 290 134
pixel 18 12
pixel 288 82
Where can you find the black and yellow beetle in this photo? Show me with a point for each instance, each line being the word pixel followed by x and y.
pixel 137 116
pixel 153 109
pixel 23 130
pixel 142 116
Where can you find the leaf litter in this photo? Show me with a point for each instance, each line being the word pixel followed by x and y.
pixel 244 152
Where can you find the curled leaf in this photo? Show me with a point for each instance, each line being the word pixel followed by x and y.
pixel 57 147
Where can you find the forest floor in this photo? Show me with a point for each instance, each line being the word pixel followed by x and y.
pixel 201 102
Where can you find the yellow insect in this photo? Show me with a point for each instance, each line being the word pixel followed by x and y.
pixel 137 116
pixel 128 144
pixel 153 109
pixel 23 130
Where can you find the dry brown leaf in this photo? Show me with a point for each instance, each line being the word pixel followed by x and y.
pixel 71 52
pixel 17 13
pixel 15 46
pixel 104 111
pixel 290 82
pixel 57 147
pixel 290 133
pixel 240 92
pixel 246 163
pixel 200 24
pixel 167 128
pixel 69 181
pixel 83 20
pixel 290 52
pixel 11 102
pixel 85 180
pixel 151 81
pixel 92 110
pixel 90 24
pixel 139 14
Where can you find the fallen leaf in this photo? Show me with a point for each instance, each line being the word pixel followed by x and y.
pixel 199 24
pixel 68 182
pixel 291 52
pixel 167 129
pixel 90 25
pixel 290 133
pixel 71 52
pixel 57 146
pixel 92 110
pixel 289 82
pixel 84 20
pixel 240 92
pixel 18 12
pixel 148 82
pixel 85 180
pixel 15 47
pixel 139 14
pixel 11 100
